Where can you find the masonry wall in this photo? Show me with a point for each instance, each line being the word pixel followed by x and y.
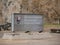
pixel 49 8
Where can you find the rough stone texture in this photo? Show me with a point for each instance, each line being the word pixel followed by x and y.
pixel 49 8
pixel 0 12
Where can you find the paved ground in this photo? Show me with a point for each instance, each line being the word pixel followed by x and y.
pixel 54 40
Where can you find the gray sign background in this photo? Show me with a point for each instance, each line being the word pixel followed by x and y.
pixel 28 22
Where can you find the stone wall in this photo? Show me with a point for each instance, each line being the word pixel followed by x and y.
pixel 1 18
pixel 49 8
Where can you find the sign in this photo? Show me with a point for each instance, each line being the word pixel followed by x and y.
pixel 27 22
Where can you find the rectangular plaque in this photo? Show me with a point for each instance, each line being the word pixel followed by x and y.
pixel 28 22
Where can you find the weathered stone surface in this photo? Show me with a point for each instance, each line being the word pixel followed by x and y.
pixel 49 8
pixel 32 35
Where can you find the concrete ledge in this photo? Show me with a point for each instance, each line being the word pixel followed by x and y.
pixel 20 36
